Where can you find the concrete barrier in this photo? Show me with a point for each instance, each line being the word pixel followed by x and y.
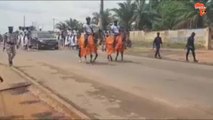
pixel 202 38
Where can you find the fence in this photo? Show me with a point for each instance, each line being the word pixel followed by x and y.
pixel 202 38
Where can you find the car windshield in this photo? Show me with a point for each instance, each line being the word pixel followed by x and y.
pixel 45 35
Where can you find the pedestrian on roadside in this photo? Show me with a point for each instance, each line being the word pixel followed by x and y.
pixel 157 45
pixel 1 79
pixel 10 43
pixel 74 39
pixel 191 47
pixel 1 38
pixel 68 38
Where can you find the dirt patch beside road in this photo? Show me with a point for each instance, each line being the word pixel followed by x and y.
pixel 19 103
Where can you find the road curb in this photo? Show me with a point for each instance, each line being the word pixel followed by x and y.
pixel 52 98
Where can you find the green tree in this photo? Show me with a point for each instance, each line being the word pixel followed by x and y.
pixel 73 24
pixel 107 18
pixel 145 14
pixel 168 15
pixel 189 16
pixel 209 17
pixel 61 26
pixel 125 13
pixel 138 15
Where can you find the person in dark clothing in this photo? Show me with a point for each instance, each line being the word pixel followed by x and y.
pixel 190 47
pixel 157 44
pixel 1 79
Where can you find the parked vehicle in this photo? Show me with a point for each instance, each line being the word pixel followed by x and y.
pixel 44 40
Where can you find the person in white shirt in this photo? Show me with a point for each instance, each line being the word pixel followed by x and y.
pixel 73 39
pixel 68 38
pixel 87 30
pixel 115 28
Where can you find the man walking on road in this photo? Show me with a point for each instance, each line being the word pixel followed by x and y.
pixel 10 42
pixel 157 44
pixel 190 47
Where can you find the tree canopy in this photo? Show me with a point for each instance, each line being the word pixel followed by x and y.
pixel 152 15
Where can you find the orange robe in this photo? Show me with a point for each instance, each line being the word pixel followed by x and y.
pixel 109 45
pixel 119 44
pixel 92 48
pixel 81 45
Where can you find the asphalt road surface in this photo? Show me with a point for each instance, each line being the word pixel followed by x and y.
pixel 136 88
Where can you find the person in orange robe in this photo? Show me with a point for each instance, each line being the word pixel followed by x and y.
pixel 91 45
pixel 82 49
pixel 92 48
pixel 119 46
pixel 109 46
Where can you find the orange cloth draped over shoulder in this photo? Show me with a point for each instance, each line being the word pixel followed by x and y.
pixel 109 45
pixel 119 44
pixel 84 51
pixel 92 48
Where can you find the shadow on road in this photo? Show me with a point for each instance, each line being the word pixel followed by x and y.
pixel 47 116
pixel 29 102
pixel 102 64
pixel 128 61
pixel 19 91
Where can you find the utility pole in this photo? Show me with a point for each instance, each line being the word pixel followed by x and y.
pixel 101 14
pixel 53 24
pixel 24 21
pixel 101 21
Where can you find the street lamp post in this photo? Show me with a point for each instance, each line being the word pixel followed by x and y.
pixel 53 24
pixel 24 21
pixel 101 21
pixel 101 15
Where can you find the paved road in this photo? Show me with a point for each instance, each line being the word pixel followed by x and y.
pixel 136 88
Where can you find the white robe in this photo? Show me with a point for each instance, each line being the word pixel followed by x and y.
pixel 73 40
pixel 24 41
pixel 67 40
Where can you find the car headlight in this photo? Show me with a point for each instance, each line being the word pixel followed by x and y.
pixel 42 41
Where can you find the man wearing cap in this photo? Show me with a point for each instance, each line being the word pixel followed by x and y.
pixel 115 28
pixel 10 43
pixel 87 30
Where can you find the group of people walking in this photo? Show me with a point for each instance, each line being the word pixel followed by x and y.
pixel 190 46
pixel 14 40
pixel 68 38
pixel 114 42
pixel 87 42
pixel 24 38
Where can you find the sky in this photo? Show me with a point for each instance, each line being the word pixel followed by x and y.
pixel 41 13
